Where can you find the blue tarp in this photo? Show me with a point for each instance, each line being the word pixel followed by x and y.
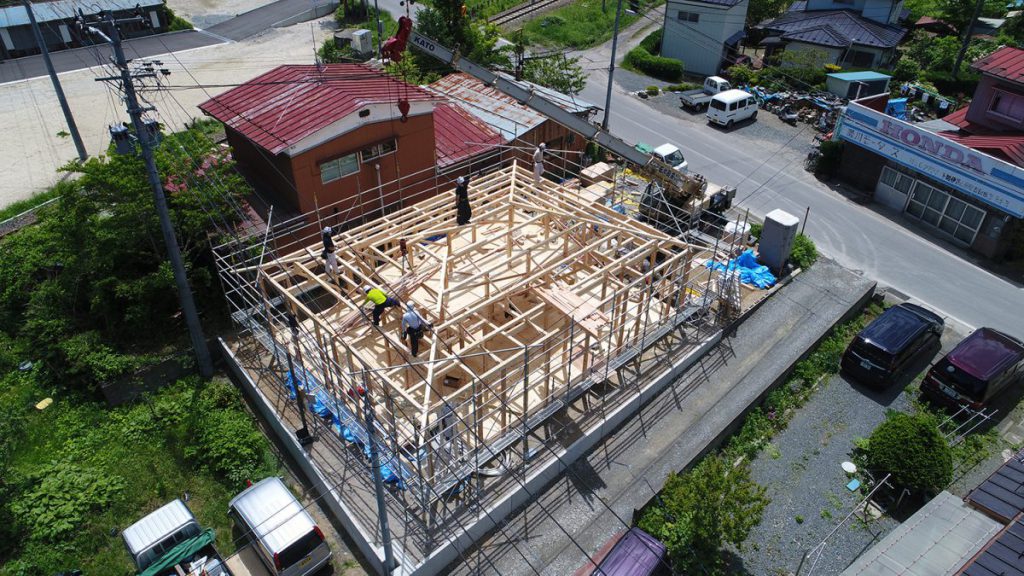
pixel 346 424
pixel 897 108
pixel 750 271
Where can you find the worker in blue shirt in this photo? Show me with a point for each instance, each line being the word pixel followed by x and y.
pixel 412 328
pixel 380 300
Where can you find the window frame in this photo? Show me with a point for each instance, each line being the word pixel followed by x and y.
pixel 998 95
pixel 691 17
pixel 378 150
pixel 339 163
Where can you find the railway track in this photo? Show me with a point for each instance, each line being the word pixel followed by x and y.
pixel 521 11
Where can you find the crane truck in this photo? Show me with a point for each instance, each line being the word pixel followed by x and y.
pixel 674 199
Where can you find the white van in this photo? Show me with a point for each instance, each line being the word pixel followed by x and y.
pixel 282 532
pixel 671 154
pixel 732 106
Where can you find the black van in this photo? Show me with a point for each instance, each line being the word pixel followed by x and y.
pixel 886 346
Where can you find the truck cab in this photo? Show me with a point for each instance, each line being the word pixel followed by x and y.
pixel 170 539
pixel 672 155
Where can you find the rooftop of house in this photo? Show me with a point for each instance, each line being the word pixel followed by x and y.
pixel 279 109
pixel 834 28
pixel 1007 146
pixel 499 110
pixel 721 3
pixel 459 135
pixel 16 15
pixel 1007 63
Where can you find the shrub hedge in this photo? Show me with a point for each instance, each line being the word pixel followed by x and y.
pixel 911 448
pixel 645 59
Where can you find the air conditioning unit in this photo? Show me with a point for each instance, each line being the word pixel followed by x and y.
pixel 362 42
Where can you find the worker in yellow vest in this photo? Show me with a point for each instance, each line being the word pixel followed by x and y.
pixel 380 300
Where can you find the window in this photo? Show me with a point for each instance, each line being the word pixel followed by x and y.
pixel 1008 106
pixel 378 150
pixel 688 16
pixel 718 104
pixel 945 212
pixel 859 58
pixel 338 168
pixel 896 180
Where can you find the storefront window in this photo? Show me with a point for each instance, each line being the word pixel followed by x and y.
pixel 947 213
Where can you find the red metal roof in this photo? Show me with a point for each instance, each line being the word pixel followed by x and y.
pixel 1006 63
pixel 1009 148
pixel 458 135
pixel 283 106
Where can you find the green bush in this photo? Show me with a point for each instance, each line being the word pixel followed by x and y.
pixel 681 87
pixel 225 440
pixel 911 449
pixel 742 74
pixel 667 69
pixel 906 70
pixel 698 512
pixel 827 164
pixel 804 252
pixel 653 90
pixel 944 82
pixel 60 497
pixel 175 22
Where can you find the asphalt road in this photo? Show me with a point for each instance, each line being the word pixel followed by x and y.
pixel 232 30
pixel 861 237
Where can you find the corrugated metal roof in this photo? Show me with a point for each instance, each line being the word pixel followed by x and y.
pixel 157 525
pixel 852 27
pixel 66 10
pixel 725 3
pixel 499 110
pixel 283 106
pixel 824 35
pixel 935 541
pixel 1002 495
pixel 1006 63
pixel 859 76
pixel 1004 556
pixel 458 135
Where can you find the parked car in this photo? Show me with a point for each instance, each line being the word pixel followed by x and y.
pixel 671 154
pixel 732 106
pixel 981 366
pixel 637 553
pixel 698 99
pixel 280 530
pixel 884 348
pixel 169 541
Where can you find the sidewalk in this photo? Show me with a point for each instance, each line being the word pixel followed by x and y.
pixel 696 412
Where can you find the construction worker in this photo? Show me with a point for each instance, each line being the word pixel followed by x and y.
pixel 463 211
pixel 328 239
pixel 413 327
pixel 330 263
pixel 538 162
pixel 380 300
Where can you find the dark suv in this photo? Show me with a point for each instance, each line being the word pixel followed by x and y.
pixel 982 365
pixel 886 346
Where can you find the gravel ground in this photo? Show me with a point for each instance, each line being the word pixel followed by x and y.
pixel 792 143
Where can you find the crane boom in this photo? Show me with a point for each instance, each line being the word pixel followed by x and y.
pixel 676 183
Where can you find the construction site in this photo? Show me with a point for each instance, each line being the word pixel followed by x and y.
pixel 543 312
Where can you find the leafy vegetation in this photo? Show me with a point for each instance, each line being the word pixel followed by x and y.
pixel 699 511
pixel 580 24
pixel 176 22
pixel 761 10
pixel 556 72
pixel 87 292
pixel 646 59
pixel 16 208
pixel 77 473
pixel 804 251
pixel 911 449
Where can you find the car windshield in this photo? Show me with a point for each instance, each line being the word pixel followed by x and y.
pixel 675 158
pixel 718 105
pixel 869 352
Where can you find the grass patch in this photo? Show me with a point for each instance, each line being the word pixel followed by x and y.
pixel 12 210
pixel 78 473
pixel 579 25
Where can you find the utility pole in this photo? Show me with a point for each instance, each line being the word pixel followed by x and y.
pixel 72 127
pixel 380 27
pixel 611 69
pixel 967 38
pixel 127 80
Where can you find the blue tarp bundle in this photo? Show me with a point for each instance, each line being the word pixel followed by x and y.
pixel 750 271
pixel 346 424
pixel 897 108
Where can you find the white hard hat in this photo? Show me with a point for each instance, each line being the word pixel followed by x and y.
pixel 543 145
pixel 460 180
pixel 367 288
pixel 410 306
pixel 327 229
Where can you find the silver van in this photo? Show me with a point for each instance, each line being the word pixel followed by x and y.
pixel 283 533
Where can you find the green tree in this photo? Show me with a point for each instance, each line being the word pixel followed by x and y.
pixel 476 40
pixel 700 511
pixel 906 70
pixel 95 261
pixel 761 10
pixel 556 72
pixel 911 448
pixel 959 12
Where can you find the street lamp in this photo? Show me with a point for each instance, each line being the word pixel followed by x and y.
pixel 611 68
